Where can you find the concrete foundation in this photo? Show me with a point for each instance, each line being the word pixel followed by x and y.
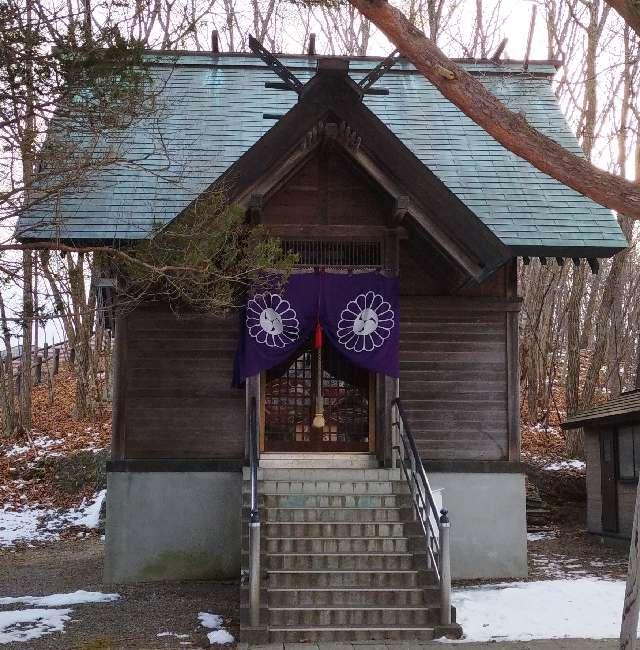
pixel 488 523
pixel 173 526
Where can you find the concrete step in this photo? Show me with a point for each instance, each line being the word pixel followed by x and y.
pixel 282 529
pixel 331 500
pixel 340 562
pixel 370 579
pixel 329 515
pixel 336 545
pixel 315 487
pixel 327 597
pixel 351 616
pixel 343 460
pixel 348 634
pixel 324 474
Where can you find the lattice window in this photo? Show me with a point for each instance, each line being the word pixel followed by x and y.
pixel 289 403
pixel 336 253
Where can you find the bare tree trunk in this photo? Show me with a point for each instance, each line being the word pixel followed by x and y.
pixel 7 377
pixel 26 380
pixel 575 437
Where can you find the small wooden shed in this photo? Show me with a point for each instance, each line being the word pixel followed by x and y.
pixel 612 453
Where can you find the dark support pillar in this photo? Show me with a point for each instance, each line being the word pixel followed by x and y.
pixel 120 372
pixel 513 366
pixel 390 385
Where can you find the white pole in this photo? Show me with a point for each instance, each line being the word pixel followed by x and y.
pixel 629 626
pixel 445 569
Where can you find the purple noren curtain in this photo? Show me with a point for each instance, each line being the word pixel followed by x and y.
pixel 358 313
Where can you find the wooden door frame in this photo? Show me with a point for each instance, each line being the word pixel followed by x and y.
pixel 258 390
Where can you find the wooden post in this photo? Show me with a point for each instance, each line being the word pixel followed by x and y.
pixel 18 379
pixel 629 625
pixel 72 356
pixel 45 352
pixel 56 361
pixel 38 377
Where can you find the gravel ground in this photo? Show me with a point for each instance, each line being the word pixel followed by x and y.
pixel 134 621
pixel 559 644
pixel 146 610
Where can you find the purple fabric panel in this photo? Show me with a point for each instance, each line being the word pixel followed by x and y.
pixel 359 314
pixel 278 323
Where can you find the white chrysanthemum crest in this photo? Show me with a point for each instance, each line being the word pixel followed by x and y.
pixel 366 322
pixel 271 320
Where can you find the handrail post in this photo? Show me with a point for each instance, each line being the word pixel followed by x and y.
pixel 254 523
pixel 254 572
pixel 445 569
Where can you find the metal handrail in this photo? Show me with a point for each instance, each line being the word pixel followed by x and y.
pixel 436 539
pixel 254 519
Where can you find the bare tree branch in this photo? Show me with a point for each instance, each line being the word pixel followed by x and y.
pixel 629 10
pixel 511 129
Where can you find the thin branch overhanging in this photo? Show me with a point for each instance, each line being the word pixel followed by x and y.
pixel 510 129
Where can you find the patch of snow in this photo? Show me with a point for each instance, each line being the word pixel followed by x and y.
pixel 16 450
pixel 212 621
pixel 29 624
pixel 175 635
pixel 539 536
pixel 566 464
pixel 87 513
pixel 23 525
pixel 31 524
pixel 220 637
pixel 79 597
pixel 40 443
pixel 587 608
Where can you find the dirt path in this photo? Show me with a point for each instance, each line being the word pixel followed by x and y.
pixel 134 621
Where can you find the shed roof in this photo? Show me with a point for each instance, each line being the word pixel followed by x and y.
pixel 623 407
pixel 212 109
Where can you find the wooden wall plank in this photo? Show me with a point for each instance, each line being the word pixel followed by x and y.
pixel 179 400
pixel 453 376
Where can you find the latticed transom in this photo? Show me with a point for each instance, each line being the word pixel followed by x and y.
pixel 337 253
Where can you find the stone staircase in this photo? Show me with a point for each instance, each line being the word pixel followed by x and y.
pixel 341 558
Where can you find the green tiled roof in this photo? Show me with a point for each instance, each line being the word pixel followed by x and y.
pixel 211 111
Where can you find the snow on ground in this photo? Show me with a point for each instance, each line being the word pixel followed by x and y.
pixel 29 624
pixel 219 636
pixel 566 464
pixel 23 525
pixel 541 534
pixel 37 524
pixel 587 608
pixel 41 444
pixel 79 597
pixel 87 513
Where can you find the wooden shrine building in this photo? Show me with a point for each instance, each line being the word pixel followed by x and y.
pixel 359 166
